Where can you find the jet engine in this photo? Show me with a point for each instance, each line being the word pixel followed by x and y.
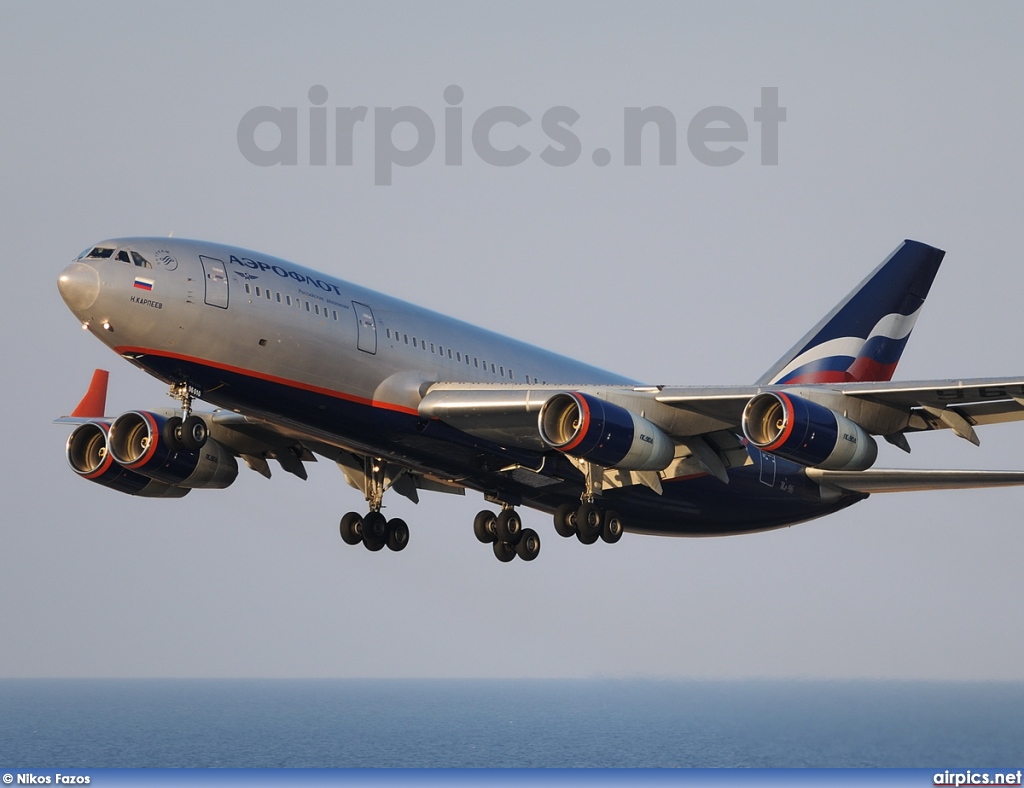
pixel 89 457
pixel 807 433
pixel 152 445
pixel 590 428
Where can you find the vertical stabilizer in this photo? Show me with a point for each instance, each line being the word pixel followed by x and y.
pixel 863 338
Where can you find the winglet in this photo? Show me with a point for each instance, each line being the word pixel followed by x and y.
pixel 94 403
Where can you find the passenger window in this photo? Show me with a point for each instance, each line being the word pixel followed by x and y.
pixel 278 297
pixel 258 291
pixel 247 288
pixel 288 300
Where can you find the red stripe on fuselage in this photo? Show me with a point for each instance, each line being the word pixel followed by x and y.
pixel 270 379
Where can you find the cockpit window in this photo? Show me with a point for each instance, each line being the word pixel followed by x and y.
pixel 122 256
pixel 100 253
pixel 140 261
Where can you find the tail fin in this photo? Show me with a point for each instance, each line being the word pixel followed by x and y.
pixel 864 336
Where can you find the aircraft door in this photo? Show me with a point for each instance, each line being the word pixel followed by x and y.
pixel 767 468
pixel 216 280
pixel 366 328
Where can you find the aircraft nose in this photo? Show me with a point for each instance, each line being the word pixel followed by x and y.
pixel 79 286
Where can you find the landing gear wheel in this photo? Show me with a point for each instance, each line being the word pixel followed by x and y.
pixel 588 523
pixel 484 526
pixel 509 527
pixel 611 529
pixel 194 433
pixel 375 531
pixel 351 528
pixel 529 545
pixel 398 535
pixel 171 433
pixel 504 552
pixel 565 520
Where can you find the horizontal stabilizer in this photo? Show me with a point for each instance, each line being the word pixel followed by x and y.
pixel 881 480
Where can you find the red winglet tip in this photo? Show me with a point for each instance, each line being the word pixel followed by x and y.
pixel 94 403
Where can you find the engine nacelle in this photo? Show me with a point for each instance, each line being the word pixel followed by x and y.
pixel 140 441
pixel 90 458
pixel 603 433
pixel 807 433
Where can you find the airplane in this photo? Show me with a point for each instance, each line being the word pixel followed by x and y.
pixel 300 364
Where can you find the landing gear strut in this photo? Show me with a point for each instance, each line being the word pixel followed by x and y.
pixel 374 530
pixel 186 431
pixel 589 522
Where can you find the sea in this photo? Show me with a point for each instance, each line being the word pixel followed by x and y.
pixel 496 723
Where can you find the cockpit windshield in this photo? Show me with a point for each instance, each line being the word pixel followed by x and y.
pixel 128 256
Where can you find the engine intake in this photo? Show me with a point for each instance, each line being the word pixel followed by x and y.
pixel 140 442
pixel 590 428
pixel 807 433
pixel 90 458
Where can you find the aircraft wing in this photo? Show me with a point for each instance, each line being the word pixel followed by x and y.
pixel 509 413
pixel 928 404
pixel 879 480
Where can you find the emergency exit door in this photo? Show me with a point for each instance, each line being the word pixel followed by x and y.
pixel 366 328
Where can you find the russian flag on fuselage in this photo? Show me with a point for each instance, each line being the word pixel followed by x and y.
pixel 863 338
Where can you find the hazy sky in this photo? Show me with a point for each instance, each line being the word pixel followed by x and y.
pixel 903 121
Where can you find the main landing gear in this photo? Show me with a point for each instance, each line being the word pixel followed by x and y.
pixel 506 533
pixel 374 530
pixel 588 523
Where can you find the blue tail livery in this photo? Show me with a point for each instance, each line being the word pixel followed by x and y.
pixel 863 338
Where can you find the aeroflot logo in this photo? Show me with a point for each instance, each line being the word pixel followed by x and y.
pixel 270 135
pixel 284 273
